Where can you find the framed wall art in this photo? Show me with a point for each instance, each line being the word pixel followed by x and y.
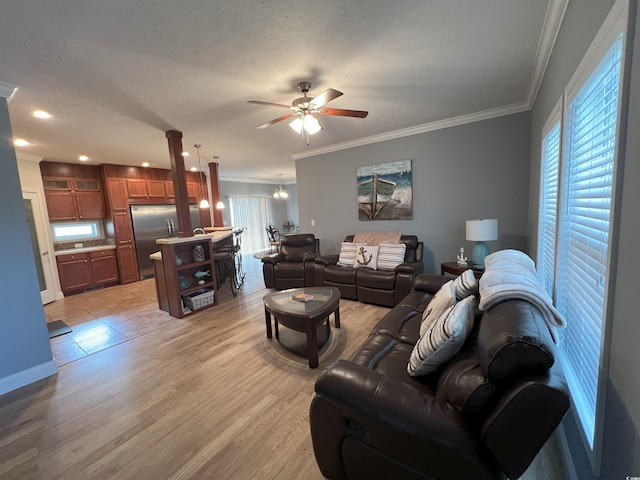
pixel 385 191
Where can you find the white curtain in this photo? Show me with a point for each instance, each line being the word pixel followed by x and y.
pixel 252 213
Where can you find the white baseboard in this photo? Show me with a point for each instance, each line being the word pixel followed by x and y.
pixel 33 374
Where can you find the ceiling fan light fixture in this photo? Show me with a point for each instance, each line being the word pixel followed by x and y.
pixel 308 122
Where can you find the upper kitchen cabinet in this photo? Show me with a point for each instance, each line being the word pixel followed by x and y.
pixel 147 189
pixel 73 198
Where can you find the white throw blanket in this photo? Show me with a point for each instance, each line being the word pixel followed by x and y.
pixel 511 274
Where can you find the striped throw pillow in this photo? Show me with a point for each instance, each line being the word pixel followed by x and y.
pixel 443 339
pixel 348 252
pixel 441 301
pixel 466 284
pixel 390 256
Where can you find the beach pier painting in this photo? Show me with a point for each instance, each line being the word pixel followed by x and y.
pixel 385 191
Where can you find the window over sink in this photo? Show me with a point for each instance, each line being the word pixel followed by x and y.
pixel 77 231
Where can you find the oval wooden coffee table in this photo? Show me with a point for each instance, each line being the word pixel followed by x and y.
pixel 306 317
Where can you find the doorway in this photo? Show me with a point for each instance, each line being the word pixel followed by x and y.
pixel 252 213
pixel 42 254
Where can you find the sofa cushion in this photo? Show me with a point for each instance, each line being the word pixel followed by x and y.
pixel 400 323
pixel 443 339
pixel 377 279
pixel 338 274
pixel 366 256
pixel 441 301
pixel 390 256
pixel 463 384
pixel 466 284
pixel 288 269
pixel 348 252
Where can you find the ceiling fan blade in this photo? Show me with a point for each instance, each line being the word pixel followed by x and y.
pixel 276 120
pixel 343 113
pixel 269 104
pixel 325 97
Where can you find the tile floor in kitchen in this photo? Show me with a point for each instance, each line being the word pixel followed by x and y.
pixel 102 318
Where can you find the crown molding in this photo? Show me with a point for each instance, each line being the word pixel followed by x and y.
pixel 550 29
pixel 418 129
pixel 7 90
pixel 29 157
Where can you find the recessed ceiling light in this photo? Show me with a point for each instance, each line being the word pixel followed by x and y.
pixel 194 169
pixel 145 164
pixel 19 142
pixel 83 158
pixel 41 114
pixel 185 154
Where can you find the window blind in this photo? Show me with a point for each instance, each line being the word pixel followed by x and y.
pixel 253 213
pixel 548 207
pixel 588 165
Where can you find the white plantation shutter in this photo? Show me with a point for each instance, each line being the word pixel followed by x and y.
pixel 588 167
pixel 548 207
pixel 253 213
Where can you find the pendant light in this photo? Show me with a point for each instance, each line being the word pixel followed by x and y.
pixel 204 203
pixel 280 191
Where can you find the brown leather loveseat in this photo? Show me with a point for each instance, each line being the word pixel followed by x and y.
pixel 484 414
pixel 292 266
pixel 380 287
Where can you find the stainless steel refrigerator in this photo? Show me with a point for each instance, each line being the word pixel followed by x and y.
pixel 151 222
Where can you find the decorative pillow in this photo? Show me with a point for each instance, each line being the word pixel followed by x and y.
pixel 348 252
pixel 443 339
pixel 441 301
pixel 366 256
pixel 390 256
pixel 466 284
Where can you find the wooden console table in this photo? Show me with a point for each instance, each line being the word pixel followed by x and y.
pixel 454 268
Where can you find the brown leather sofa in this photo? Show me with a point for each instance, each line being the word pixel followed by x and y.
pixel 483 415
pixel 380 287
pixel 293 265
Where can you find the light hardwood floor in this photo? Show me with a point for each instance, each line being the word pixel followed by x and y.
pixel 142 395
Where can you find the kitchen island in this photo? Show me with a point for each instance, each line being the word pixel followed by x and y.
pixel 184 271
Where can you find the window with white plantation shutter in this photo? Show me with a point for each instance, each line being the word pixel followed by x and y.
pixel 585 215
pixel 548 205
pixel 252 213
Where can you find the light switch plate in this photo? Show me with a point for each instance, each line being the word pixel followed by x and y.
pixel 78 245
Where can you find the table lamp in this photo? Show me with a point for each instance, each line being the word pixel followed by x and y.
pixel 481 231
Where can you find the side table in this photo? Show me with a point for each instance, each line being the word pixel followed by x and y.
pixel 455 268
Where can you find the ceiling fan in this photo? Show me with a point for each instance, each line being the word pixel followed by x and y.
pixel 305 108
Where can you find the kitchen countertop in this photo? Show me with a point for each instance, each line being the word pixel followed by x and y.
pixel 214 236
pixel 83 249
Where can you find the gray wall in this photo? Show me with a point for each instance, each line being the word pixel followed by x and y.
pixel 282 210
pixel 477 170
pixel 24 342
pixel 621 448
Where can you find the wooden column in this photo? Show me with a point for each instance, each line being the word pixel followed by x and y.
pixel 179 176
pixel 215 194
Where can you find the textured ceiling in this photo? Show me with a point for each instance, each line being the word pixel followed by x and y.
pixel 117 74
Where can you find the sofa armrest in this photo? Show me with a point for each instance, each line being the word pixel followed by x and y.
pixel 369 398
pixel 430 283
pixel 310 256
pixel 274 258
pixel 410 267
pixel 327 259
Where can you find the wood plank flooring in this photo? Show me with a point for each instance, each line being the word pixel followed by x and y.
pixel 141 395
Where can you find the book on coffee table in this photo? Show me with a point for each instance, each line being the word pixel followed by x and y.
pixel 302 297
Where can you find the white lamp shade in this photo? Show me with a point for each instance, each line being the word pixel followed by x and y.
pixel 220 205
pixel 482 230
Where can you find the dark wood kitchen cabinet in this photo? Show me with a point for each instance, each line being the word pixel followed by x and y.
pixel 123 231
pixel 147 189
pixel 86 270
pixel 71 199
